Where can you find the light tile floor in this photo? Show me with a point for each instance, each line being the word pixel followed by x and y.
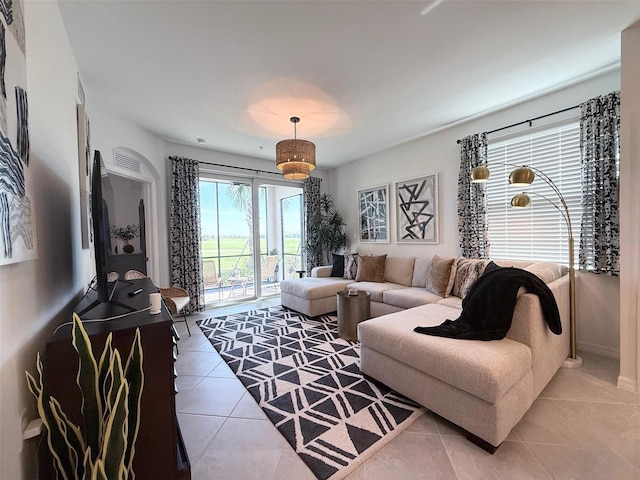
pixel 581 427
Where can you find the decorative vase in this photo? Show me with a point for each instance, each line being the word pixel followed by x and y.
pixel 127 247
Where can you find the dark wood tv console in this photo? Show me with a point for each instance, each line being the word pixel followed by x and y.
pixel 160 450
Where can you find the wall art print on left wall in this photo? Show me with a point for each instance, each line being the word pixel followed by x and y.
pixel 17 225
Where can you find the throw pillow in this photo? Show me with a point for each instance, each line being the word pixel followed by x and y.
pixel 468 270
pixel 337 265
pixel 350 266
pixel 371 269
pixel 439 280
pixel 399 270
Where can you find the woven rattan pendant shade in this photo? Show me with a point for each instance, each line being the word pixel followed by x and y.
pixel 295 171
pixel 296 158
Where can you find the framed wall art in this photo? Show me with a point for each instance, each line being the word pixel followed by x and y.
pixel 84 155
pixel 373 213
pixel 17 212
pixel 417 210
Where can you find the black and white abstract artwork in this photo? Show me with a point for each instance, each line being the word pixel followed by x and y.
pixel 17 225
pixel 417 205
pixel 373 210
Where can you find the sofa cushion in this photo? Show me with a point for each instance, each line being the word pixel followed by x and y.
pixel 337 265
pixel 546 271
pixel 468 270
pixel 371 268
pixel 454 302
pixel 484 369
pixel 409 297
pixel 313 288
pixel 350 266
pixel 440 279
pixel 375 289
pixel 421 271
pixel 399 270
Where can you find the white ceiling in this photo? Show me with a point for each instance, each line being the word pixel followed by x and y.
pixel 362 75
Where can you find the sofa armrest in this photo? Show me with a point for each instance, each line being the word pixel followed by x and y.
pixel 323 271
pixel 548 351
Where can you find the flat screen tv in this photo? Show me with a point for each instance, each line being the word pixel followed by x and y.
pixel 102 200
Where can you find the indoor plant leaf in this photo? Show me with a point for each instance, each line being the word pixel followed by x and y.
pixel 73 437
pixel 55 438
pixel 87 379
pixel 134 375
pixel 104 381
pixel 115 435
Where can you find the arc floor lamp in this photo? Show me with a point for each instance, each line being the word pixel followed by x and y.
pixel 523 177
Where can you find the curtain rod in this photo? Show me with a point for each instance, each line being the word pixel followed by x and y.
pixel 257 170
pixel 530 120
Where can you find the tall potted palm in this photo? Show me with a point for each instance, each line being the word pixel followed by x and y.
pixel 325 233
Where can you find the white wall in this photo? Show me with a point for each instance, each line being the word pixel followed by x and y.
pixel 598 320
pixel 109 131
pixel 39 294
pixel 630 211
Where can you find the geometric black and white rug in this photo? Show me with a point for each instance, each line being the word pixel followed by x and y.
pixel 308 382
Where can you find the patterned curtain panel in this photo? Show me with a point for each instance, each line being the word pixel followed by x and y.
pixel 186 264
pixel 600 152
pixel 472 205
pixel 311 196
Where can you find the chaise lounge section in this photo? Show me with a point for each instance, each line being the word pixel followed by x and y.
pixel 313 296
pixel 485 387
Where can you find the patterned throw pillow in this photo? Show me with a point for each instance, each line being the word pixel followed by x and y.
pixel 337 265
pixel 440 279
pixel 468 270
pixel 371 269
pixel 350 266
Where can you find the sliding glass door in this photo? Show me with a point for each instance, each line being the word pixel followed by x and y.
pixel 251 238
pixel 226 217
pixel 292 235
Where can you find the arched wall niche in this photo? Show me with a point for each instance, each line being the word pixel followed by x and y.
pixel 135 176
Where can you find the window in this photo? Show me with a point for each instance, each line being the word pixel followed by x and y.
pixel 538 232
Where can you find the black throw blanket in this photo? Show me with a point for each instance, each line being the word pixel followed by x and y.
pixel 487 310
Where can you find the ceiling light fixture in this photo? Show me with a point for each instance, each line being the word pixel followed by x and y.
pixel 296 158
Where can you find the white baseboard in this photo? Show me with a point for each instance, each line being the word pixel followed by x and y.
pixel 628 384
pixel 599 350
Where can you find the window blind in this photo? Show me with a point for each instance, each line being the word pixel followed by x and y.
pixel 538 232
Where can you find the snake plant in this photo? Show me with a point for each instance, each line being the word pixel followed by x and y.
pixel 104 448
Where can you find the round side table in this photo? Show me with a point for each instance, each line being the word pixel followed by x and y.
pixel 352 309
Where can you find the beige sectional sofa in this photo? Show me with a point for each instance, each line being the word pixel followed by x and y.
pixel 485 387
